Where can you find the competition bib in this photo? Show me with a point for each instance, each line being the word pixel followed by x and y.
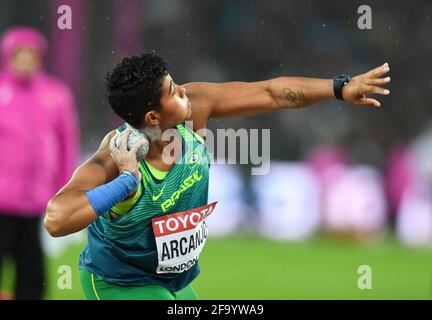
pixel 180 238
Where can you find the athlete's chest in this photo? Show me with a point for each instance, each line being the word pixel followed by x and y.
pixel 184 185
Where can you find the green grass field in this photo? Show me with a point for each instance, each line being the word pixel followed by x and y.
pixel 248 267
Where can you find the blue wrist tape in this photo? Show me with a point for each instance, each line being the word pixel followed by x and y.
pixel 108 195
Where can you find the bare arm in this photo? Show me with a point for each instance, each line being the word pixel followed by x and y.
pixel 69 210
pixel 216 100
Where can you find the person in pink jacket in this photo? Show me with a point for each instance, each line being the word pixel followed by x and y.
pixel 38 151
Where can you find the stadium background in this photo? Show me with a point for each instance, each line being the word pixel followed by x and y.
pixel 253 40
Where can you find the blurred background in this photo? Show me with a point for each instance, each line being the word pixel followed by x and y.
pixel 348 186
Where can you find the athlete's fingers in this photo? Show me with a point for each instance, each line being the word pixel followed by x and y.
pixel 374 89
pixel 124 140
pixel 379 72
pixel 377 81
pixel 369 102
pixel 113 157
pixel 113 147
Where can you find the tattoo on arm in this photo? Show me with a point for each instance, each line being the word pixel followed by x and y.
pixel 296 99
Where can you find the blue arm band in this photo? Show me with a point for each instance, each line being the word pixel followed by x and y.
pixel 108 195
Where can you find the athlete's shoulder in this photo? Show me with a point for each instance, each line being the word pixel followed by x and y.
pixel 198 94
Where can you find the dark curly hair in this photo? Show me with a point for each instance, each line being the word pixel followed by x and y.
pixel 134 87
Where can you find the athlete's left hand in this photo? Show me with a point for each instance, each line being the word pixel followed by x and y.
pixel 371 82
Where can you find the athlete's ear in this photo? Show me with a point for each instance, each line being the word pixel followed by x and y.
pixel 152 118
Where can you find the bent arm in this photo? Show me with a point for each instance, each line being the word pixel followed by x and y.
pixel 69 210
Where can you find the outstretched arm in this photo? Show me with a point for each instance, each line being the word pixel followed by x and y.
pixel 230 99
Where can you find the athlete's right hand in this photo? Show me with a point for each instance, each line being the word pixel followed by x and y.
pixel 126 159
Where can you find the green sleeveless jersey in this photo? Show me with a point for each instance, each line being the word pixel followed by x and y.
pixel 151 241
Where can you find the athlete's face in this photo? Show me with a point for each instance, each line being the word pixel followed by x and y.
pixel 175 106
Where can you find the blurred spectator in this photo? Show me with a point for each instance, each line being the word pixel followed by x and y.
pixel 414 217
pixel 355 204
pixel 324 161
pixel 353 201
pixel 421 151
pixel 399 175
pixel 39 145
pixel 414 213
pixel 288 201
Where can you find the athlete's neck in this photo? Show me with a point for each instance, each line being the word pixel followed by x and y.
pixel 163 157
